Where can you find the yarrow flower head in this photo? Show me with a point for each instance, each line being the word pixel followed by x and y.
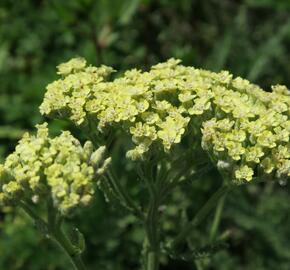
pixel 67 96
pixel 59 168
pixel 234 121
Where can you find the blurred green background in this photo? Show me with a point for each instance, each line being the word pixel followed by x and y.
pixel 250 38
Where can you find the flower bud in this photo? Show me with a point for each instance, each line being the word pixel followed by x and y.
pixel 98 156
pixel 105 166
pixel 88 149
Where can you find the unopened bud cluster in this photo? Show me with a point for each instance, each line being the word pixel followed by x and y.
pixel 57 168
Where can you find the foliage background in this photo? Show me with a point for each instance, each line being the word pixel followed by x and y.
pixel 250 38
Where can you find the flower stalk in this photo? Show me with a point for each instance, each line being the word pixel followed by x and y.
pixel 152 234
pixel 53 229
pixel 73 254
pixel 203 212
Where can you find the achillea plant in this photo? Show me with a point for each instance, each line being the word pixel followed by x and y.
pixel 53 173
pixel 180 120
pixel 237 122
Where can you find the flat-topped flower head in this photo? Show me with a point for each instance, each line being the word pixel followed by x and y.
pixel 229 117
pixel 58 168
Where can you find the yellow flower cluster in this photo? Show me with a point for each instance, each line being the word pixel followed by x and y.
pixel 59 168
pixel 67 97
pixel 237 122
pixel 251 131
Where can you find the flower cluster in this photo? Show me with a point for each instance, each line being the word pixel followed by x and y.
pixel 250 130
pixel 67 97
pixel 59 168
pixel 243 128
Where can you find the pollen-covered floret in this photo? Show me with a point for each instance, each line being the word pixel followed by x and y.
pixel 58 168
pixel 232 119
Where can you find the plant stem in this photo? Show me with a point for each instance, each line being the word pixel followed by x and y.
pixel 127 200
pixel 71 251
pixel 198 265
pixel 151 222
pixel 53 229
pixel 30 212
pixel 217 218
pixel 200 216
pixel 152 260
pixel 152 231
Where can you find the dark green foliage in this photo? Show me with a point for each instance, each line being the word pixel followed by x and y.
pixel 251 38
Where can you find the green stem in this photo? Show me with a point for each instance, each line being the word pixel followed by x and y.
pixel 151 224
pixel 30 212
pixel 39 222
pixel 53 228
pixel 54 221
pixel 71 251
pixel 152 231
pixel 198 265
pixel 152 260
pixel 148 182
pixel 217 218
pixel 127 200
pixel 200 216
